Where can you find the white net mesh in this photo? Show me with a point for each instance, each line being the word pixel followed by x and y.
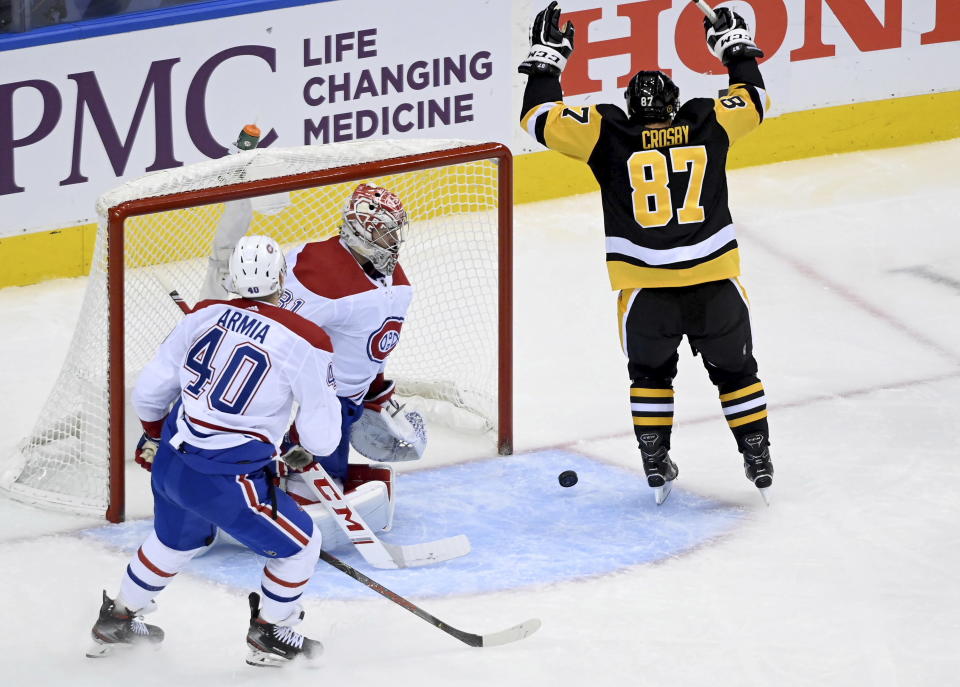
pixel 449 345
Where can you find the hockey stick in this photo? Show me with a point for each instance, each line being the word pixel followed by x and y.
pixel 707 10
pixel 378 553
pixel 511 634
pixel 182 304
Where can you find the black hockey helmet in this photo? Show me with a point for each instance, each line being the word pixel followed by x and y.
pixel 651 97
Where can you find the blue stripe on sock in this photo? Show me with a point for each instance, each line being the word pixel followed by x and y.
pixel 280 599
pixel 143 584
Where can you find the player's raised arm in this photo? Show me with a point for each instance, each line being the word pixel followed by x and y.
pixel 570 130
pixel 742 109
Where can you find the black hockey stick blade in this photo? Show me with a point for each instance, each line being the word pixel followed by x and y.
pixel 511 634
pixel 182 304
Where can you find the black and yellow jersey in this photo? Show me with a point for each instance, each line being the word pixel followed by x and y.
pixel 663 191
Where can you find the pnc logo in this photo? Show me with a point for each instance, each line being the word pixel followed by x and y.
pixel 384 340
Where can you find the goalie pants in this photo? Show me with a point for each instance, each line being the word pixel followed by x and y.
pixel 715 318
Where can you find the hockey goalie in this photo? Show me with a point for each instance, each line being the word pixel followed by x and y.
pixel 354 287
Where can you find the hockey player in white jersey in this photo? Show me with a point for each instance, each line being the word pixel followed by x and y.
pixel 354 287
pixel 215 403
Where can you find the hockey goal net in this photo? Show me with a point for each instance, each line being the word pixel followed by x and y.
pixel 156 234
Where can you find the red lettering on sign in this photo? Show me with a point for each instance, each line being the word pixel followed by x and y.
pixel 857 19
pixel 947 26
pixel 641 44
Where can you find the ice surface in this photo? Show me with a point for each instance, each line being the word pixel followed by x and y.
pixel 848 578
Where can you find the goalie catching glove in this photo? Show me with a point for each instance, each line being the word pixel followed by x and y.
pixel 384 432
pixel 729 39
pixel 549 47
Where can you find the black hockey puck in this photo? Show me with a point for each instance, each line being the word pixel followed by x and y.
pixel 567 478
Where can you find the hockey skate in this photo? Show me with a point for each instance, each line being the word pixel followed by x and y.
pixel 273 645
pixel 660 470
pixel 118 628
pixel 757 463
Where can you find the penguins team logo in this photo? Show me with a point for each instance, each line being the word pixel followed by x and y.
pixel 384 340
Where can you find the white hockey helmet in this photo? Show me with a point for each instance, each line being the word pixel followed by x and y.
pixel 257 267
pixel 374 224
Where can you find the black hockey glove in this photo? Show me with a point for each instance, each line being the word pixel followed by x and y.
pixel 549 48
pixel 729 38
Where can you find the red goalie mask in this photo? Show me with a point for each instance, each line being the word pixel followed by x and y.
pixel 373 226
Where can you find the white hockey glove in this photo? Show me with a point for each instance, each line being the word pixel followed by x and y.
pixel 729 38
pixel 549 47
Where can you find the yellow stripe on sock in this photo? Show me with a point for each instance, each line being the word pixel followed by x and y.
pixel 651 393
pixel 747 419
pixel 645 421
pixel 745 391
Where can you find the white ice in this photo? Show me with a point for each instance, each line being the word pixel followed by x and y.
pixel 848 578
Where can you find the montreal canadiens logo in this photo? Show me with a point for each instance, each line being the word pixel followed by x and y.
pixel 384 340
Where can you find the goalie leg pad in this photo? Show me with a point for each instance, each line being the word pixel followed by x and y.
pixel 371 499
pixel 361 473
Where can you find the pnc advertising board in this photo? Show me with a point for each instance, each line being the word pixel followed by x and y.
pixel 78 118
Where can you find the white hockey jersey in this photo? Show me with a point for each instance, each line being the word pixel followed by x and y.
pixel 238 366
pixel 362 315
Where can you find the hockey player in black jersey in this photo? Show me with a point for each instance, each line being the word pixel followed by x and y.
pixel 670 240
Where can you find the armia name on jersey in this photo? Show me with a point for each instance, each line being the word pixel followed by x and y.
pixel 244 324
pixel 661 138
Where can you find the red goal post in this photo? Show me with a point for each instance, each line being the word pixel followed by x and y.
pixel 460 198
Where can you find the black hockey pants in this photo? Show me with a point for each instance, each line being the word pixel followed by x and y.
pixel 715 318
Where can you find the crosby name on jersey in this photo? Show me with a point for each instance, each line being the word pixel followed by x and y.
pixel 664 191
pixel 362 312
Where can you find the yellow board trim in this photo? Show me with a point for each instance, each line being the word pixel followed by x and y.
pixel 31 258
pixel 651 421
pixel 66 252
pixel 747 419
pixel 651 393
pixel 740 393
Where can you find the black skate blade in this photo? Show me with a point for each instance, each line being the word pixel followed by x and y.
pixel 661 494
